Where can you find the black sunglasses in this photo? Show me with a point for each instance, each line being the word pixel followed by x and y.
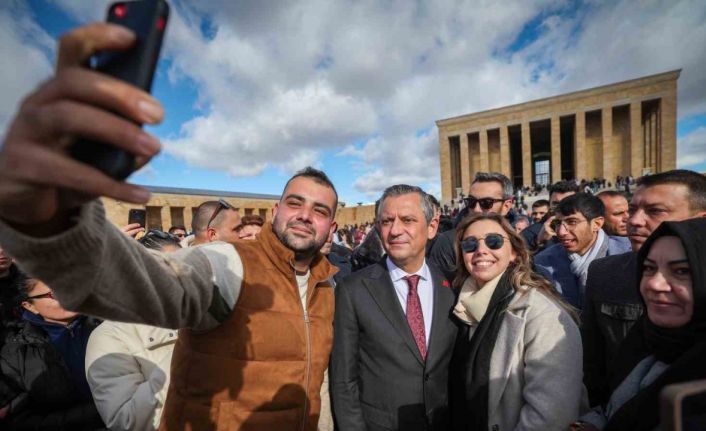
pixel 49 295
pixel 485 203
pixel 493 241
pixel 221 206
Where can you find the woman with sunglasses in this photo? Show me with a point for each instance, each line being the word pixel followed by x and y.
pixel 44 361
pixel 517 360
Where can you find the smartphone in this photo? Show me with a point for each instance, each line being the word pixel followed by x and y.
pixel 148 19
pixel 136 215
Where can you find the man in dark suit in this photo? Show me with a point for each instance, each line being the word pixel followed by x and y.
pixel 393 336
pixel 613 302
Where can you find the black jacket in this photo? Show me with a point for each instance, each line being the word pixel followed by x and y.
pixel 611 307
pixel 46 398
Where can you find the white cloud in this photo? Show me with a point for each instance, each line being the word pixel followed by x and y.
pixel 279 83
pixel 692 149
pixel 24 48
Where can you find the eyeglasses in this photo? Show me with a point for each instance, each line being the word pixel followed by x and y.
pixel 49 295
pixel 493 241
pixel 569 224
pixel 485 203
pixel 221 206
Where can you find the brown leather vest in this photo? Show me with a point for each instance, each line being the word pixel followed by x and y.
pixel 262 368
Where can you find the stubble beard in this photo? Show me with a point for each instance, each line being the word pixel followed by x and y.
pixel 302 248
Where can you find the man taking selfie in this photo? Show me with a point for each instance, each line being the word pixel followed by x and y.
pixel 256 322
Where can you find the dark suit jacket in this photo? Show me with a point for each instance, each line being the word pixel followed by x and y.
pixel 378 378
pixel 612 306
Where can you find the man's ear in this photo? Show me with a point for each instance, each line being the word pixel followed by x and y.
pixel 507 205
pixel 432 228
pixel 29 307
pixel 274 209
pixel 597 223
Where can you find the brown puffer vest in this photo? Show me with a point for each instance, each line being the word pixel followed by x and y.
pixel 262 368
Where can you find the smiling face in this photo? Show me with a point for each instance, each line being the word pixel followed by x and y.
pixel 575 233
pixel 666 284
pixel 404 230
pixel 650 206
pixel 304 216
pixel 485 263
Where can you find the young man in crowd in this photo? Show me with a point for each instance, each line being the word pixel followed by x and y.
pixel 489 193
pixel 178 231
pixel 539 209
pixel 578 220
pixel 613 303
pixel 245 313
pixel 540 234
pixel 250 226
pixel 393 337
pixel 616 212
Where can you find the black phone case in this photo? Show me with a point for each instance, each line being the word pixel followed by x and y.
pixel 148 19
pixel 137 216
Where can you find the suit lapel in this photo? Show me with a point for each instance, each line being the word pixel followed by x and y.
pixel 443 301
pixel 383 292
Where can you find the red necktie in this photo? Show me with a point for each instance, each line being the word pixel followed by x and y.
pixel 415 318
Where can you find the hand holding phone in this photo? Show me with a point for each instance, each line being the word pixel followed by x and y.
pixel 148 20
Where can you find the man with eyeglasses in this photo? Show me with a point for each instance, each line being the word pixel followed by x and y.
pixel 540 234
pixel 490 192
pixel 613 304
pixel 178 231
pixel 578 220
pixel 215 221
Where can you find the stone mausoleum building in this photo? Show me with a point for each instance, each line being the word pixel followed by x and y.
pixel 628 128
pixel 171 206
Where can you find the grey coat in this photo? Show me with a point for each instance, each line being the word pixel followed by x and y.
pixel 535 372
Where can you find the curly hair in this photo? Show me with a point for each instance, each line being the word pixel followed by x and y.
pixel 523 277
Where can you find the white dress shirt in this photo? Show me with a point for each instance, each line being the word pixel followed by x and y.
pixel 425 290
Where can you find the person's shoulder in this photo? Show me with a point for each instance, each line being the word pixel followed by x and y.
pixel 541 305
pixel 614 261
pixel 369 272
pixel 548 255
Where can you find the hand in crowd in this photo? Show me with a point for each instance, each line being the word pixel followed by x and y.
pixel 39 183
pixel 132 230
pixel 546 233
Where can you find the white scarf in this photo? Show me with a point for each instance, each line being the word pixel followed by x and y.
pixel 579 264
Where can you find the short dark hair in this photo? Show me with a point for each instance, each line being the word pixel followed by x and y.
pixel 588 205
pixel 319 177
pixel 176 227
pixel 611 194
pixel 563 187
pixel 540 203
pixel 203 214
pixel 486 177
pixel 434 201
pixel 694 182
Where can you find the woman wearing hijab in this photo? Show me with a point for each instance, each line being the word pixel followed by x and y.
pixel 668 345
pixel 517 361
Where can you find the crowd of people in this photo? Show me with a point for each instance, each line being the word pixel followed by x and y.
pixel 573 316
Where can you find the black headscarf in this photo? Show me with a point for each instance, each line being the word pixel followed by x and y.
pixel 683 348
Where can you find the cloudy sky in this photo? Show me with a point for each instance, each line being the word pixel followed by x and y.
pixel 255 90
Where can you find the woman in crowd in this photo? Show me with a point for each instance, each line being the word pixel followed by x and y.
pixel 127 364
pixel 44 362
pixel 668 345
pixel 517 361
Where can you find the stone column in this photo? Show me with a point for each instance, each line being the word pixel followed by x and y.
pixel 580 145
pixel 668 122
pixel 610 151
pixel 445 162
pixel 526 155
pixel 465 163
pixel 188 216
pixel 483 141
pixel 166 216
pixel 556 149
pixel 637 153
pixel 505 152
